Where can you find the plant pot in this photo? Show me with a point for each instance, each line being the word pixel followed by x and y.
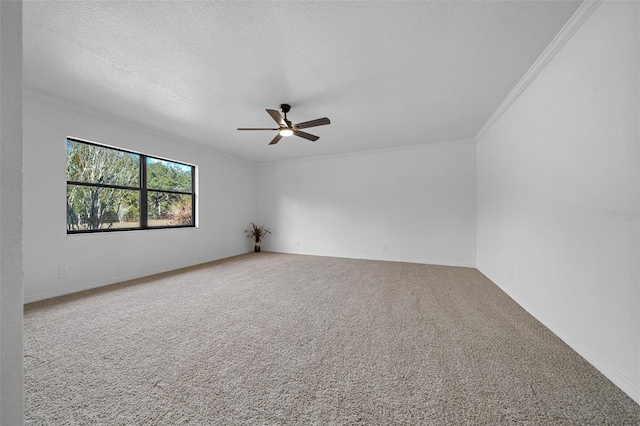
pixel 256 248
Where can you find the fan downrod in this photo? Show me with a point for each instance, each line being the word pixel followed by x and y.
pixel 286 108
pixel 286 128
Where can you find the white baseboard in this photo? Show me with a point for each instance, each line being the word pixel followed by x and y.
pixel 121 278
pixel 620 380
pixel 385 258
pixel 126 277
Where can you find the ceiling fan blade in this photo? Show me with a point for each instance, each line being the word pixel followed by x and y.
pixel 312 123
pixel 305 135
pixel 256 128
pixel 276 139
pixel 277 117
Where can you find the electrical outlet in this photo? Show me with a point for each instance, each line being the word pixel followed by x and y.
pixel 298 243
pixel 64 272
pixel 384 247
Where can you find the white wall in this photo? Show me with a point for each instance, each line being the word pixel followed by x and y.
pixel 419 201
pixel 564 154
pixel 11 358
pixel 225 197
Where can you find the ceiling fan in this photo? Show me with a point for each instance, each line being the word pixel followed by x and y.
pixel 286 129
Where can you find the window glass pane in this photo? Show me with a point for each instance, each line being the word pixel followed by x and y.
pixel 94 207
pixel 168 176
pixel 105 190
pixel 165 209
pixel 97 164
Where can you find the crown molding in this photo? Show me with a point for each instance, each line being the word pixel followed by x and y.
pixel 573 24
pixel 424 145
pixel 183 140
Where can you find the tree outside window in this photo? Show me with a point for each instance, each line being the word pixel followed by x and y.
pixel 111 189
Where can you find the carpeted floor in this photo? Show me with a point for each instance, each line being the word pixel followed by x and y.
pixel 277 339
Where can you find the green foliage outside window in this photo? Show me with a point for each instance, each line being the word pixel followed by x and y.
pixel 104 190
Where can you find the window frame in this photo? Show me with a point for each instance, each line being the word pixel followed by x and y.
pixel 142 190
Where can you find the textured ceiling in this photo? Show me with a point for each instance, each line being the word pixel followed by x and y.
pixel 387 74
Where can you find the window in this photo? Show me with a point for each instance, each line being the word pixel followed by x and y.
pixel 110 189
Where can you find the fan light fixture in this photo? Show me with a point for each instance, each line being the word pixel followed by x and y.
pixel 286 128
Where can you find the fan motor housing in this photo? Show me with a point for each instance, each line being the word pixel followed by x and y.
pixel 286 128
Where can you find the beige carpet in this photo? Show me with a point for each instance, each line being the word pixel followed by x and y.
pixel 276 339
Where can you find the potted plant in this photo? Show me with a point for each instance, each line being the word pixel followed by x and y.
pixel 256 233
